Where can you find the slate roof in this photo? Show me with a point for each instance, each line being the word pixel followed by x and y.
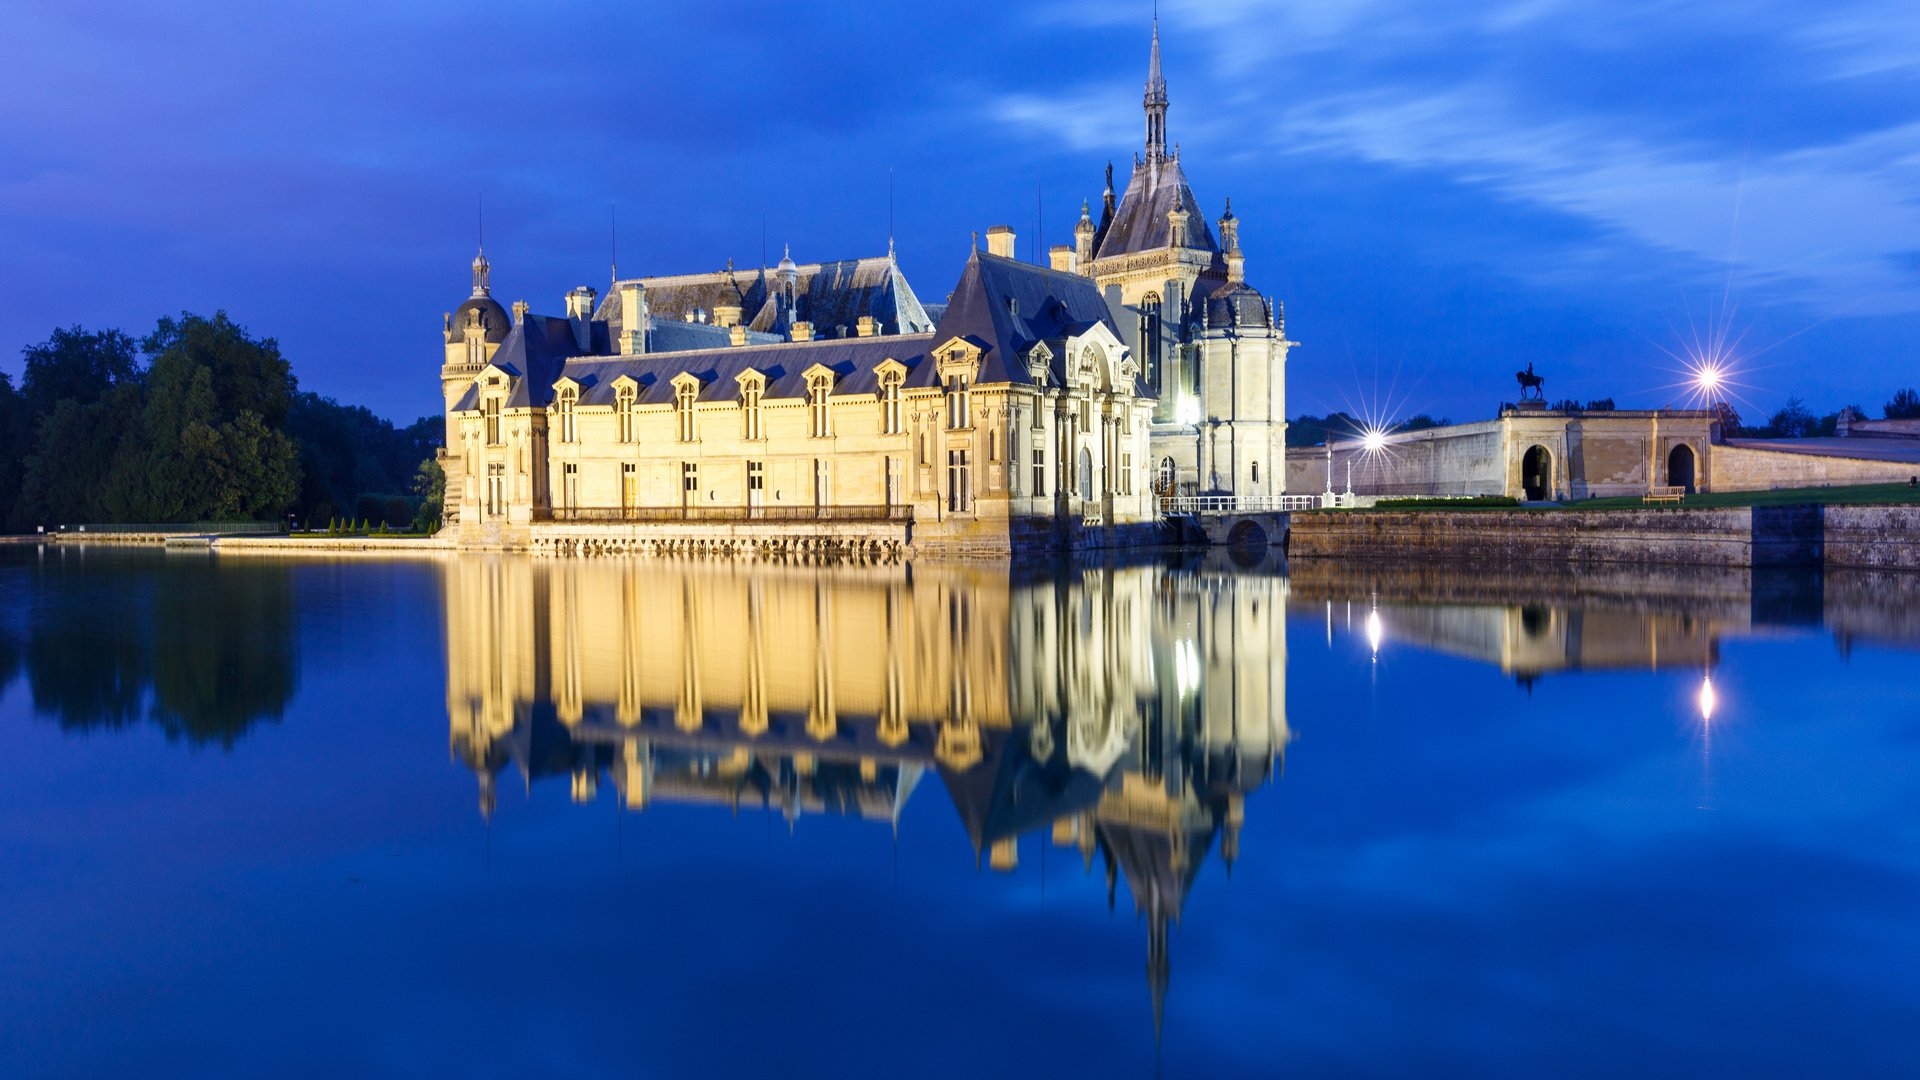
pixel 1004 306
pixel 1140 222
pixel 1007 306
pixel 852 361
pixel 830 295
pixel 493 317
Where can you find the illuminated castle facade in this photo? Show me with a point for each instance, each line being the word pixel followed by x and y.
pixel 1040 408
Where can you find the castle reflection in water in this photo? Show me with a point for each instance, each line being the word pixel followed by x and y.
pixel 1125 712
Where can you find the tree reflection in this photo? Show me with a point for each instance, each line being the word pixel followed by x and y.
pixel 203 649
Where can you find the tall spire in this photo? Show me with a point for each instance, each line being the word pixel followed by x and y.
pixel 1156 102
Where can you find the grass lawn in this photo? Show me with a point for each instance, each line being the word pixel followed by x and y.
pixel 1865 494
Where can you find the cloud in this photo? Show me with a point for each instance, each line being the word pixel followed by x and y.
pixel 1688 140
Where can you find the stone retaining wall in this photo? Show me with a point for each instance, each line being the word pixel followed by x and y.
pixel 1873 537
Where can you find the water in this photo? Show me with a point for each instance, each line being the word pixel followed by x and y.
pixel 492 817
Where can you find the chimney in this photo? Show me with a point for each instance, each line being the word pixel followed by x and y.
pixel 1004 855
pixel 1083 241
pixel 633 319
pixel 519 312
pixel 803 331
pixel 737 334
pixel 580 314
pixel 727 314
pixel 1000 241
pixel 867 327
pixel 1062 257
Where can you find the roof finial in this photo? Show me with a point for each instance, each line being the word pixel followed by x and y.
pixel 1156 100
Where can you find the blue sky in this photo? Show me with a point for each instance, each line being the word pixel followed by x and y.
pixel 1439 193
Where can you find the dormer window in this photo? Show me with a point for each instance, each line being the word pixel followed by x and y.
pixel 818 387
pixel 564 402
pixel 685 392
pixel 623 408
pixel 750 410
pixel 891 380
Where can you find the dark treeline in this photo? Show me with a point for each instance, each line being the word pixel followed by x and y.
pixel 1795 421
pixel 1315 430
pixel 197 421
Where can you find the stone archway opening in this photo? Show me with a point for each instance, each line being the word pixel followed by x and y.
pixel 1247 534
pixel 1536 474
pixel 1680 468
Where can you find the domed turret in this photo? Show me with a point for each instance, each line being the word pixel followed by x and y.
pixel 1237 306
pixel 480 309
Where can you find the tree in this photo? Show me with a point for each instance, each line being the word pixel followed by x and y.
pixel 77 365
pixel 1794 421
pixel 1904 406
pixel 430 483
pixel 248 373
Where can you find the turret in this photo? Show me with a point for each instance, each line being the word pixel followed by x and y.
pixel 1230 243
pixel 1083 239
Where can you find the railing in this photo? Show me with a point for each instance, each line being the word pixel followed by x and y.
pixel 644 515
pixel 1251 504
pixel 192 528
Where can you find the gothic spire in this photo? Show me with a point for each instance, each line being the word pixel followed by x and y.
pixel 1155 103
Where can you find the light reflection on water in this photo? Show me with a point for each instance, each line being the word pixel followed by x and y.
pixel 1133 720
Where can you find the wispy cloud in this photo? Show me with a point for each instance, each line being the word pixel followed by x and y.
pixel 1678 161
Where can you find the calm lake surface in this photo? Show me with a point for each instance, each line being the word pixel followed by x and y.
pixel 497 817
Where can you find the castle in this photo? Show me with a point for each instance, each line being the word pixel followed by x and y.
pixel 824 408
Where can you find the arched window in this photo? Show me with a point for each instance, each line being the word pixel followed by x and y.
pixel 818 388
pixel 683 399
pixel 1256 472
pixel 750 411
pixel 890 403
pixel 623 408
pixel 566 400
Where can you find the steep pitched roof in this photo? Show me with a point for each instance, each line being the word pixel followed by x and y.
pixel 852 361
pixel 829 295
pixel 1140 222
pixel 1006 306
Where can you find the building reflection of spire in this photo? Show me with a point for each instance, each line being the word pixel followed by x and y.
pixel 1124 713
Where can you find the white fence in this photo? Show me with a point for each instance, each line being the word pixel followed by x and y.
pixel 1254 504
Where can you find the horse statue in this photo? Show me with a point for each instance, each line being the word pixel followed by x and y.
pixel 1529 381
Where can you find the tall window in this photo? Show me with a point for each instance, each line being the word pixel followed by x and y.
pixel 993 445
pixel 1126 472
pixel 756 482
pixel 689 482
pixel 1150 336
pixel 958 402
pixel 570 485
pixel 496 490
pixel 750 411
pixel 493 421
pixel 959 498
pixel 623 407
pixel 629 485
pixel 890 403
pixel 683 399
pixel 817 390
pixel 1039 468
pixel 568 398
